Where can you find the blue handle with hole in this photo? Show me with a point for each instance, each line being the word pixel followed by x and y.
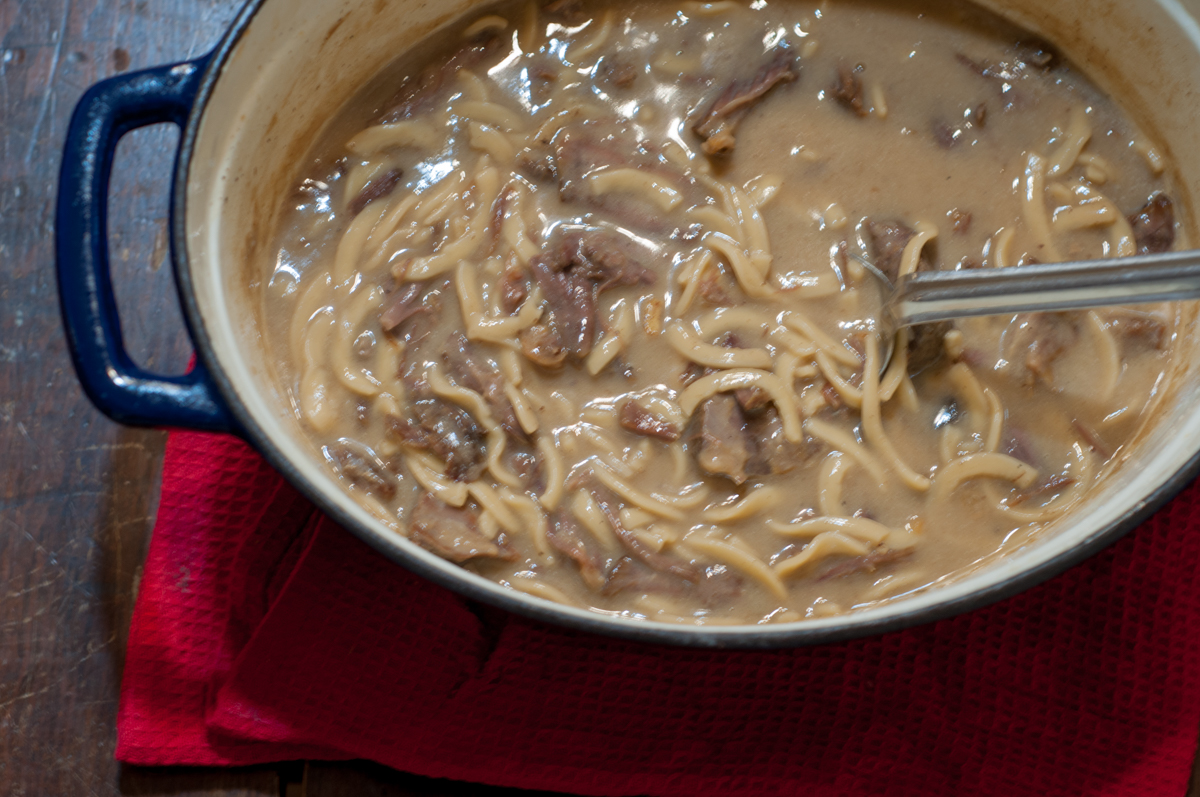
pixel 116 385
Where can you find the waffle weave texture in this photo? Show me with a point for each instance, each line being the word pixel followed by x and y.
pixel 264 632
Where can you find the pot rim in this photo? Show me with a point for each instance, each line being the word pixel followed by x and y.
pixel 849 626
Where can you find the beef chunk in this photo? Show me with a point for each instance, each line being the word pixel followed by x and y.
pixel 723 116
pixel 452 533
pixel 960 220
pixel 692 372
pixel 1020 446
pixel 946 136
pixel 543 345
pixel 752 400
pixel 1146 330
pixel 773 452
pixel 586 148
pixel 528 468
pixel 1002 76
pixel 847 89
pixel 446 431
pixel 869 563
pixel 513 290
pixel 656 560
pixel 978 116
pixel 356 463
pixel 715 586
pixel 720 439
pixel 887 240
pixel 413 311
pixel 926 345
pixel 402 305
pixel 565 536
pixel 620 74
pixel 376 189
pixel 471 371
pixel 572 273
pixel 418 93
pixel 635 418
pixel 1154 225
pixel 538 164
pixel 1044 337
pixel 716 288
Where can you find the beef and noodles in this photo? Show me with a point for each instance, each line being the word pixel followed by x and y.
pixel 570 295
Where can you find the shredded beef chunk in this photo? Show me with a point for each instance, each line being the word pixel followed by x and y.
pixel 960 220
pixel 1020 446
pixel 413 311
pixel 418 93
pixel 716 288
pixel 869 563
pixel 715 586
pixel 356 464
pixel 402 305
pixel 927 345
pixel 513 290
pixel 635 418
pixel 720 439
pixel 470 370
pixel 887 240
pixel 946 136
pixel 1154 225
pixel 376 189
pixel 722 118
pixel 565 536
pixel 449 433
pixel 543 345
pixel 725 442
pixel 1146 330
pixel 572 273
pixel 581 149
pixel 538 164
pixel 666 563
pixel 452 533
pixel 620 74
pixel 847 89
pixel 773 453
pixel 1044 337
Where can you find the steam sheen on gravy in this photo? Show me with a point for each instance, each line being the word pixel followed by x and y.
pixel 569 296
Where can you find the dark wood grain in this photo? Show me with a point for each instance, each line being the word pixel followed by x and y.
pixel 77 493
pixel 198 782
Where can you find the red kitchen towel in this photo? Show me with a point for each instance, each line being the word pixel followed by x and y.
pixel 264 632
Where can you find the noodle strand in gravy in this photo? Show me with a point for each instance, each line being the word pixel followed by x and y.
pixel 569 296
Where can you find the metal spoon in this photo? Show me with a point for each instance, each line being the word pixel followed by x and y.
pixel 931 296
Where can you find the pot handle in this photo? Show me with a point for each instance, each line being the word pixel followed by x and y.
pixel 115 384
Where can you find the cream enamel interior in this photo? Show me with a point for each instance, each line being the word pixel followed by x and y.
pixel 297 62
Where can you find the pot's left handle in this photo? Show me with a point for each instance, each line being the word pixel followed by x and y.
pixel 117 386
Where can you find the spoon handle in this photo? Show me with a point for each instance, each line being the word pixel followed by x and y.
pixel 943 295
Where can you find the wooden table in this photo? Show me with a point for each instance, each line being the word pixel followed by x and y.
pixel 78 493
